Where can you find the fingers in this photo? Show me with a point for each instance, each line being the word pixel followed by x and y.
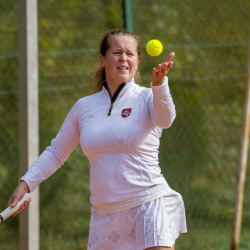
pixel 158 75
pixel 22 207
pixel 18 194
pixel 14 200
pixel 166 67
pixel 159 70
pixel 10 201
pixel 170 57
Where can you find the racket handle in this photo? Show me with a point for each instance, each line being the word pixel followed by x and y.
pixel 9 211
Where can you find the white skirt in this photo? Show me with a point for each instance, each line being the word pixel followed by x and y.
pixel 155 223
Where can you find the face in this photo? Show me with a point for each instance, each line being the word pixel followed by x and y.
pixel 121 60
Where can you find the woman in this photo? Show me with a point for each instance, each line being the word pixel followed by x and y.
pixel 132 206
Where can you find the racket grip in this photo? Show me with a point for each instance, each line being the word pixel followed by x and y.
pixel 9 211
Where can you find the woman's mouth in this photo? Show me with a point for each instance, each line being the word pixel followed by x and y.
pixel 122 68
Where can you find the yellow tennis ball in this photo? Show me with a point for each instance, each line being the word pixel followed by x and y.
pixel 154 47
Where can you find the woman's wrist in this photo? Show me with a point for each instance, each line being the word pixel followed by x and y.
pixel 24 185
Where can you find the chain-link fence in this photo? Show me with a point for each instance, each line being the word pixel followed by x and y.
pixel 198 155
pixel 9 113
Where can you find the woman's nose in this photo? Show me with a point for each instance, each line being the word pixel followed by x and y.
pixel 123 57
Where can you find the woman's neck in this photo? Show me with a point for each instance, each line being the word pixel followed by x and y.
pixel 112 88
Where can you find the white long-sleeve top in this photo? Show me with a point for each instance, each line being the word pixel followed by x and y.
pixel 122 148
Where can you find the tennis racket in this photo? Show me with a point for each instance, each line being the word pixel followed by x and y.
pixel 9 211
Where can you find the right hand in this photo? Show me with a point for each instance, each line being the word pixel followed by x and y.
pixel 18 194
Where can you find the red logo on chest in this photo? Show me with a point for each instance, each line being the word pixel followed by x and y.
pixel 126 112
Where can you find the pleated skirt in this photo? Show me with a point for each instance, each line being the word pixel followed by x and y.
pixel 155 223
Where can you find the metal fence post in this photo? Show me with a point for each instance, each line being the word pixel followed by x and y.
pixel 28 115
pixel 128 15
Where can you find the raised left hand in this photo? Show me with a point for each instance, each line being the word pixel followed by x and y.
pixel 158 75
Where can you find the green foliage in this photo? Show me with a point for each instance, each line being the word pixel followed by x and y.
pixel 198 154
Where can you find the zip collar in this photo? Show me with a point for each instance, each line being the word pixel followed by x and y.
pixel 117 93
pixel 114 97
pixel 123 90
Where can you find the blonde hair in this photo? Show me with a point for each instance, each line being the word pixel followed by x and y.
pixel 99 75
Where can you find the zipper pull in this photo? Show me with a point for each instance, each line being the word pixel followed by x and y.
pixel 110 109
pixel 115 96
